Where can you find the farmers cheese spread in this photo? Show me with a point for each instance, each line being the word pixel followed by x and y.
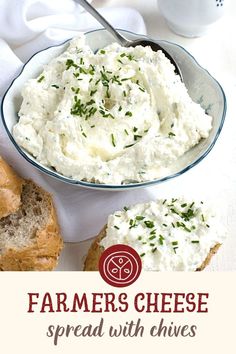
pixel 169 235
pixel 117 116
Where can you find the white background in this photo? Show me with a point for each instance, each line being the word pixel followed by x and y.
pixel 214 179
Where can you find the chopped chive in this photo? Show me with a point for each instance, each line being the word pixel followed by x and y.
pixel 141 89
pixel 149 224
pixel 173 225
pixel 153 232
pixel 207 225
pixel 102 51
pixel 187 215
pixel 84 134
pixel 164 225
pixel 120 108
pixel 142 254
pixel 92 126
pixel 164 201
pixel 128 113
pixel 93 92
pixel 136 136
pixel 154 250
pixel 56 86
pixel 175 248
pixel 124 93
pixel 139 217
pixel 152 237
pixel 135 129
pixel 118 216
pixel 122 55
pixel 183 205
pixel 70 63
pixel 126 132
pixel 113 140
pixel 126 78
pixel 41 78
pixel 174 243
pixel 127 146
pixel 171 134
pixel 174 211
pixel 195 241
pixel 192 205
pixel 151 244
pixel 125 208
pixel 116 227
pixel 140 238
pixel 203 219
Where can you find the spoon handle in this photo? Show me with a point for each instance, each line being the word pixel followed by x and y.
pixel 120 39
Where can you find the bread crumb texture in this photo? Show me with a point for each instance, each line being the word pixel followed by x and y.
pixel 30 237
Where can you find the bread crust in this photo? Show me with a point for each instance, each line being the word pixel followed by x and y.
pixel 212 252
pixel 43 253
pixel 10 190
pixel 95 251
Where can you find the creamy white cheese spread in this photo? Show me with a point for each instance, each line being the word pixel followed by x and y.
pixel 116 116
pixel 169 235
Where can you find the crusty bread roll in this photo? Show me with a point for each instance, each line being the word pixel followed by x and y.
pixel 95 251
pixel 10 189
pixel 29 235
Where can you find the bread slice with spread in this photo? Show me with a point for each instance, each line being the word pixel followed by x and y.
pixel 169 235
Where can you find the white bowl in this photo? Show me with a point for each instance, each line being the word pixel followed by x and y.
pixel 202 88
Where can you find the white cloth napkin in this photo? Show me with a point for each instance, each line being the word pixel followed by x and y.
pixel 28 26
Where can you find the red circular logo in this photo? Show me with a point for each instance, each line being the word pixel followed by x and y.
pixel 120 265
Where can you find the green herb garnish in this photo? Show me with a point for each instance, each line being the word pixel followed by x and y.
pixel 139 217
pixel 41 78
pixel 113 140
pixel 93 92
pixel 149 224
pixel 171 134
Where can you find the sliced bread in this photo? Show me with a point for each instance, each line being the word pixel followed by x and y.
pixel 174 234
pixel 95 251
pixel 10 189
pixel 29 237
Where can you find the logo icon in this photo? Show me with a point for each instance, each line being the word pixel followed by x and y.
pixel 120 265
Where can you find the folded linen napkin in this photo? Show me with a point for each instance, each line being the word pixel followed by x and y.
pixel 32 26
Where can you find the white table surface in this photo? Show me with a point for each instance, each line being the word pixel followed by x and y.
pixel 214 179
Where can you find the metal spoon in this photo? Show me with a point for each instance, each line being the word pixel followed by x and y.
pixel 124 41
